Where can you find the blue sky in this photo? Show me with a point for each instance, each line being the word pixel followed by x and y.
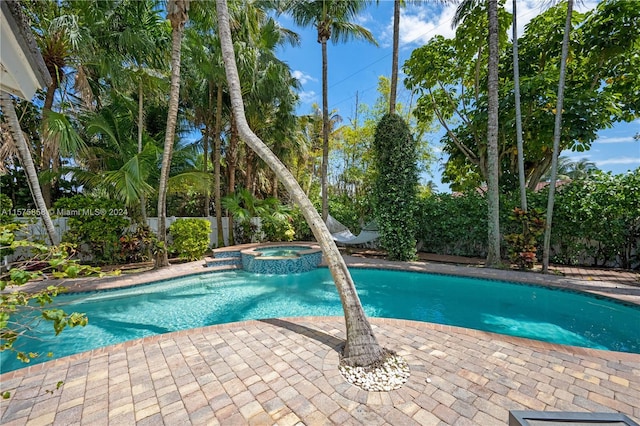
pixel 355 67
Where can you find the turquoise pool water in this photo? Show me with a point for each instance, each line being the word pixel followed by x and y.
pixel 282 251
pixel 220 297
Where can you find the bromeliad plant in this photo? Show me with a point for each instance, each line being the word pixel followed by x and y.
pixel 522 245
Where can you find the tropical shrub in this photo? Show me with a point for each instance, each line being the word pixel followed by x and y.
pixel 95 226
pixel 6 210
pixel 276 221
pixel 395 187
pixel 139 245
pixel 242 206
pixel 523 245
pixel 300 226
pixel 6 232
pixel 190 238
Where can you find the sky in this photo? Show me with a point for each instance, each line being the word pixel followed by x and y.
pixel 354 69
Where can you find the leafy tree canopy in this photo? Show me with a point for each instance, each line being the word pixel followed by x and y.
pixel 602 87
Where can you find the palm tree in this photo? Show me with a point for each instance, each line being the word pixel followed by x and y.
pixel 516 91
pixel 394 59
pixel 493 162
pixel 177 13
pixel 361 347
pixel 582 168
pixel 556 138
pixel 332 19
pixel 27 163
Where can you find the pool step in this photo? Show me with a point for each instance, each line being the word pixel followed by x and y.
pixel 226 254
pixel 224 261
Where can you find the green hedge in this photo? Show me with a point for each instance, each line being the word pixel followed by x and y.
pixel 596 221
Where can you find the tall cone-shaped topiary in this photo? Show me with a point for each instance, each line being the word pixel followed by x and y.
pixel 395 187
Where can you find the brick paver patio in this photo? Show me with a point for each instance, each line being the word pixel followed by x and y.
pixel 284 371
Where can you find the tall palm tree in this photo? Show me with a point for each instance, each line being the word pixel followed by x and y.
pixel 361 347
pixel 493 162
pixel 582 168
pixel 333 20
pixel 394 57
pixel 26 160
pixel 556 138
pixel 516 91
pixel 178 14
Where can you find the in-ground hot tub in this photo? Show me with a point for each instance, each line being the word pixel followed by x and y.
pixel 281 258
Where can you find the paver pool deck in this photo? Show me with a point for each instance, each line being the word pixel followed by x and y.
pixel 284 371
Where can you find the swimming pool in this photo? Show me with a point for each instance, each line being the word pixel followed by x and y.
pixel 219 297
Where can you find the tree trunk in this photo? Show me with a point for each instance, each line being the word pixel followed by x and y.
pixel 172 117
pixel 216 165
pixel 394 61
pixel 325 134
pixel 361 347
pixel 232 159
pixel 143 198
pixel 46 156
pixel 557 129
pixel 205 148
pixel 516 90
pixel 250 165
pixel 493 194
pixel 274 187
pixel 27 163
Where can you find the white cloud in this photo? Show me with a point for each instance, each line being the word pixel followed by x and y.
pixel 623 139
pixel 529 9
pixel 418 24
pixel 619 160
pixel 308 97
pixel 302 77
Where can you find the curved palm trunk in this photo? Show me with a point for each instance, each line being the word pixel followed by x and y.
pixel 516 90
pixel 177 24
pixel 361 347
pixel 394 61
pixel 493 256
pixel 556 139
pixel 325 133
pixel 46 156
pixel 27 163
